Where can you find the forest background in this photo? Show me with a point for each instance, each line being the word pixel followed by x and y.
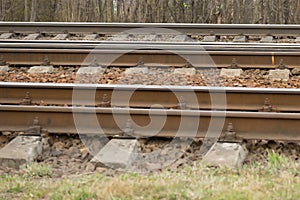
pixel 146 11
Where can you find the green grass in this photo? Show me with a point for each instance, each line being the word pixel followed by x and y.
pixel 278 179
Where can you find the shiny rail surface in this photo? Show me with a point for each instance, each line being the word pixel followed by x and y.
pixel 141 96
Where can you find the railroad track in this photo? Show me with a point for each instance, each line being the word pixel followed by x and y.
pixel 166 54
pixel 247 125
pixel 17 51
pixel 141 96
pixel 241 105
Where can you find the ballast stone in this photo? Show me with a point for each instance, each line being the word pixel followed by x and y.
pixel 266 39
pixel 230 155
pixel 185 71
pixel 118 153
pixel 5 36
pixel 137 70
pixel 61 37
pixel 40 69
pixel 231 72
pixel 119 37
pixel 91 37
pixel 90 70
pixel 4 68
pixel 182 38
pixel 21 150
pixel 210 38
pixel 279 74
pixel 240 38
pixel 296 71
pixel 33 36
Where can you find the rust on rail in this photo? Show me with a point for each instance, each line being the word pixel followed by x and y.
pixel 174 123
pixel 191 97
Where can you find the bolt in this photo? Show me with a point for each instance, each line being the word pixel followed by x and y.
pixel 267 107
pixel 105 101
pixel 234 64
pixel 46 61
pixel 2 61
pixel 182 104
pixel 140 62
pixel 128 130
pixel 26 100
pixel 230 133
pixel 35 129
pixel 188 64
pixel 282 65
pixel 36 121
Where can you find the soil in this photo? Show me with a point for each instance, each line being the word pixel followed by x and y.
pixel 68 156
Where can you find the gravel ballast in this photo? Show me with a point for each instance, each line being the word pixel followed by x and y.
pixel 155 76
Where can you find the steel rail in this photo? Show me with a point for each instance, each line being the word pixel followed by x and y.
pixel 111 121
pixel 141 96
pixel 188 44
pixel 125 58
pixel 81 44
pixel 112 28
pixel 266 56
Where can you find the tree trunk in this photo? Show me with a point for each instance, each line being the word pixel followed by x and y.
pixel 33 10
pixel 26 10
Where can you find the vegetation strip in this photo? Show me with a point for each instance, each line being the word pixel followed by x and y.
pixel 278 178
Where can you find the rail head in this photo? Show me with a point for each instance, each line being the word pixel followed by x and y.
pixel 149 88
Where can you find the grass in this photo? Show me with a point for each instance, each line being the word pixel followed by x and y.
pixel 278 179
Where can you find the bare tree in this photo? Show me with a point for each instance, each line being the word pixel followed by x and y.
pixel 187 11
pixel 33 10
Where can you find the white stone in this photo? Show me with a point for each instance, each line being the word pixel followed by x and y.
pixel 91 37
pixel 90 70
pixel 40 69
pixel 266 39
pixel 137 70
pixel 230 155
pixel 209 38
pixel 119 37
pixel 297 40
pixel 240 38
pixel 4 68
pixel 6 35
pixel 185 71
pixel 181 38
pixel 21 150
pixel 118 153
pixel 231 72
pixel 33 36
pixel 279 74
pixel 61 37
